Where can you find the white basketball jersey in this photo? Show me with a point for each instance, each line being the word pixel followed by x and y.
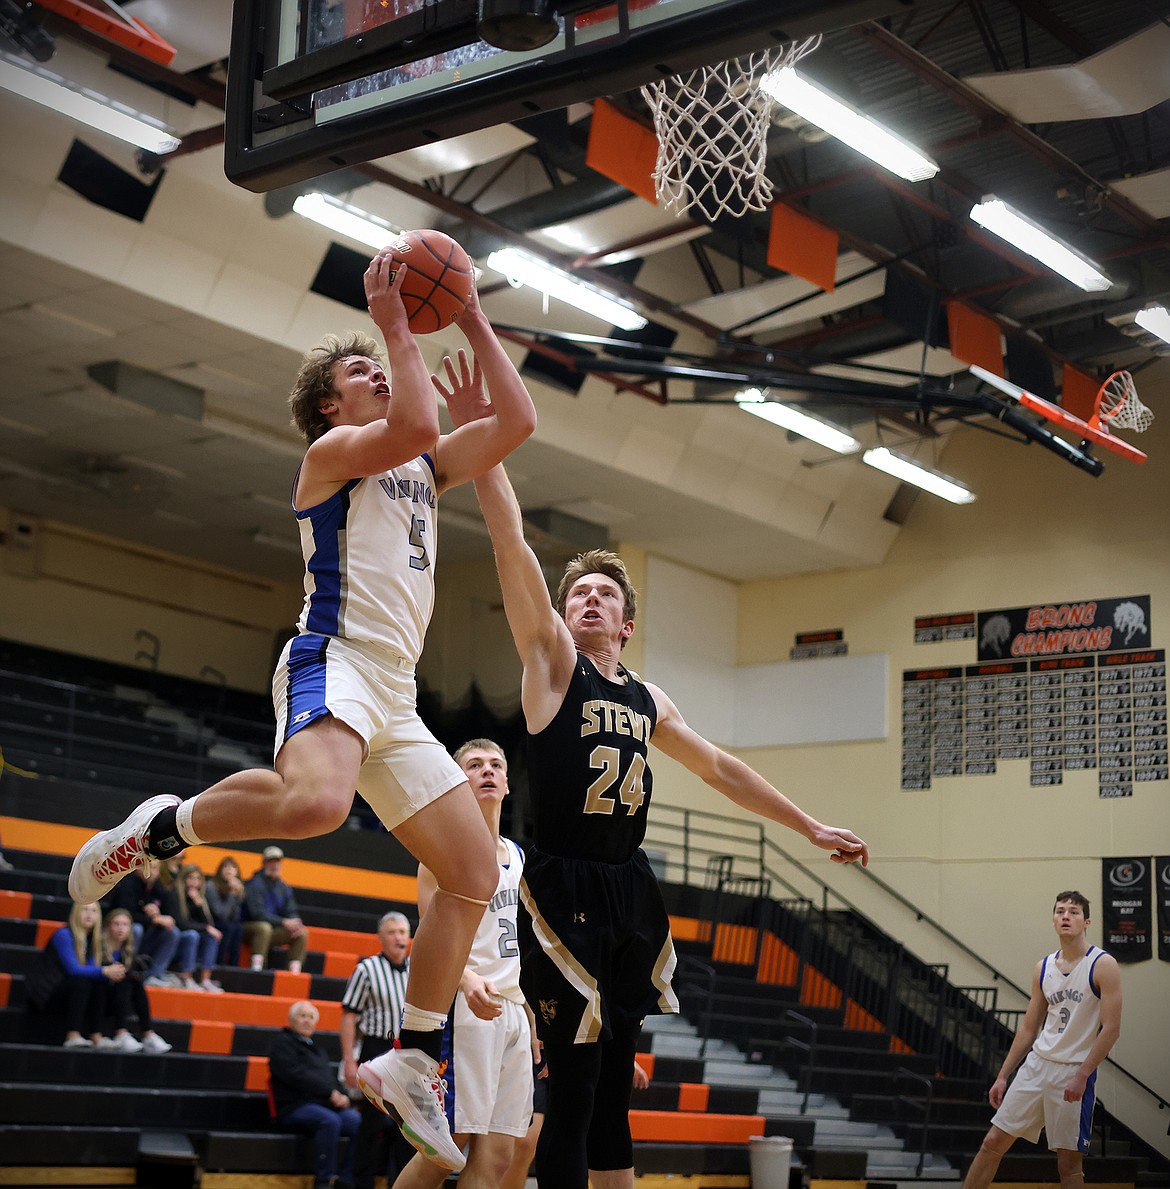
pixel 370 560
pixel 1074 1010
pixel 495 952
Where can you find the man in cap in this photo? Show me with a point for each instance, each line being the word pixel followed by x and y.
pixel 271 914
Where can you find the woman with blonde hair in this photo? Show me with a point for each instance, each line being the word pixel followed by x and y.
pixel 128 997
pixel 225 898
pixel 71 979
pixel 198 936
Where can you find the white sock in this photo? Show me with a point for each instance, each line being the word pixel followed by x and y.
pixel 422 1021
pixel 183 826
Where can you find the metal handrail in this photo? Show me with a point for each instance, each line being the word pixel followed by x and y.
pixel 806 1072
pixel 918 1077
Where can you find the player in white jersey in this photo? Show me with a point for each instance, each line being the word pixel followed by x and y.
pixel 491 1027
pixel 1072 1022
pixel 344 691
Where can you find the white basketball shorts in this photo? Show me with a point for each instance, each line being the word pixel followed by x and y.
pixel 405 766
pixel 1035 1100
pixel 493 1071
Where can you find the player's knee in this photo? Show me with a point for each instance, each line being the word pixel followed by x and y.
pixel 312 812
pixel 1068 1163
pixel 475 878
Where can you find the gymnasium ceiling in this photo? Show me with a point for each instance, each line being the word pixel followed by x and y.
pixel 213 288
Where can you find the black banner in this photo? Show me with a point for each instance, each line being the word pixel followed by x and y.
pixel 1125 892
pixel 1056 629
pixel 1162 897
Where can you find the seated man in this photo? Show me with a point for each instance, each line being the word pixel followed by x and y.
pixel 271 915
pixel 306 1098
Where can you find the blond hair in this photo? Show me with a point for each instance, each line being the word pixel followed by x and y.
pixel 126 948
pixel 83 942
pixel 598 561
pixel 315 382
pixel 480 745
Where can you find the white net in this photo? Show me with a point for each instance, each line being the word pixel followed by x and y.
pixel 1119 404
pixel 712 127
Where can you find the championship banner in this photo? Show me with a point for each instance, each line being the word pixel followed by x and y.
pixel 1125 892
pixel 1162 896
pixel 1060 629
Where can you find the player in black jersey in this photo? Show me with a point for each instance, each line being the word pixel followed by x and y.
pixel 595 949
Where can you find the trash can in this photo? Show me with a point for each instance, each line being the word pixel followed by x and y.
pixel 771 1161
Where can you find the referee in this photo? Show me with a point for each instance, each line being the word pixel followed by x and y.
pixel 371 1016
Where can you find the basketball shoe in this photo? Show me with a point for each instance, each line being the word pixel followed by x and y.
pixel 405 1084
pixel 110 855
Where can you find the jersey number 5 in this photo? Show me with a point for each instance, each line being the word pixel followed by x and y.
pixel 599 798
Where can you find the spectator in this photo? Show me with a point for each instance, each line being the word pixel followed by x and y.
pixel 156 937
pixel 169 869
pixel 198 937
pixel 271 916
pixel 306 1097
pixel 225 897
pixel 71 980
pixel 371 1018
pixel 127 997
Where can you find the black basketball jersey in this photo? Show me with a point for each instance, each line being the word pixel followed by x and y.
pixel 587 769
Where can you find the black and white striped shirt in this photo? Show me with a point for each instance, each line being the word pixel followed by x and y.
pixel 376 992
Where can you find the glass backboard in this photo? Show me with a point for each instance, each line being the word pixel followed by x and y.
pixel 319 85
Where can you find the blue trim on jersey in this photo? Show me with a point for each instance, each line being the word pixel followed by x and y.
pixel 328 520
pixel 1044 970
pixel 305 694
pixel 1086 1127
pixel 431 464
pixel 1092 985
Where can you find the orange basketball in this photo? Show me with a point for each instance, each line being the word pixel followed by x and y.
pixel 438 279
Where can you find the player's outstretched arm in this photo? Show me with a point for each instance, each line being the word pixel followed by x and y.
pixel 479 442
pixel 543 641
pixel 1107 976
pixel 746 787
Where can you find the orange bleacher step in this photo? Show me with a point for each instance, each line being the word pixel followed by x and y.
pixel 168 1003
pixel 690 1128
pixel 15 905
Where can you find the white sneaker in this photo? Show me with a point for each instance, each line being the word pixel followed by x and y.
pixel 125 1043
pixel 105 1042
pixel 153 1043
pixel 77 1042
pixel 209 984
pixel 110 855
pixel 405 1084
pixel 189 984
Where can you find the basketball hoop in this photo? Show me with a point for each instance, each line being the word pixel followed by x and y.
pixel 712 127
pixel 1118 406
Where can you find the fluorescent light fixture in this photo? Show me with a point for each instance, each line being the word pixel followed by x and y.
pixel 350 221
pixel 1032 239
pixel 1155 319
pixel 871 139
pixel 913 472
pixel 753 400
pixel 86 106
pixel 522 269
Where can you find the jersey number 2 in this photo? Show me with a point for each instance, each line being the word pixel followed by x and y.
pixel 598 798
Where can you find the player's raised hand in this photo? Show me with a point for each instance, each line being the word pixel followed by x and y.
pixel 845 845
pixel 465 395
pixel 383 284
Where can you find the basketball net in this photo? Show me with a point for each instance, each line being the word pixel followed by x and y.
pixel 1118 405
pixel 712 127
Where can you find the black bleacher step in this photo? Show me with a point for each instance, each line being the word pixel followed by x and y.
pixel 37 860
pixel 891 1108
pixel 1041 1168
pixel 847 1057
pixel 36 882
pixel 691 1159
pixel 55 1064
pixel 678 1069
pixel 260 1151
pixel 108 1147
pixel 39 1103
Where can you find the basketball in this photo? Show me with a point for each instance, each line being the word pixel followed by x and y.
pixel 438 280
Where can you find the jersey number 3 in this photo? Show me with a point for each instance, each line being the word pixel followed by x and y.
pixel 599 798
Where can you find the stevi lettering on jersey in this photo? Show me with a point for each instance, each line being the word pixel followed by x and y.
pixel 615 718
